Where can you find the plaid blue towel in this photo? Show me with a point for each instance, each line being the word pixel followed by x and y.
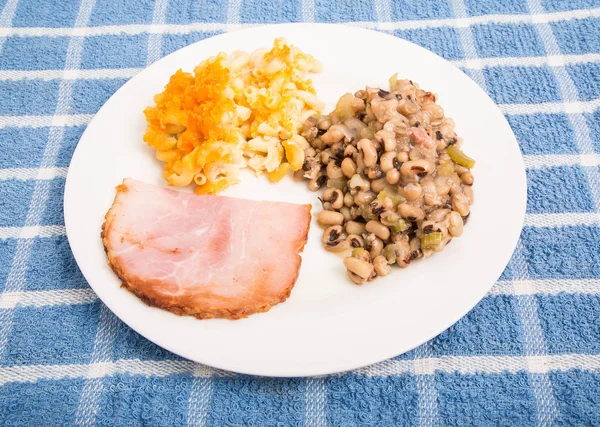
pixel 528 354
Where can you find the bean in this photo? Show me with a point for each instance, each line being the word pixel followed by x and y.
pixel 338 150
pixel 460 203
pixel 386 161
pixel 368 151
pixel 317 144
pixel 348 200
pixel 460 169
pixel 334 239
pixel 430 195
pixel 375 245
pixel 310 152
pixel 378 185
pixel 389 143
pixel 376 207
pixel 438 215
pixel 364 198
pixel 353 227
pixel 334 196
pixel 415 154
pixel 357 279
pixel 333 135
pixel 345 210
pixel 327 156
pixel 454 182
pixel 324 124
pixel 467 178
pixel 378 229
pixel 441 184
pixel 330 218
pixel 357 104
pixel 375 172
pixel 359 267
pixel 412 191
pixel 410 212
pixel 358 182
pixel 334 171
pixel 455 226
pixel 357 241
pixel 381 266
pixel 350 151
pixel 415 167
pixel 387 204
pixel 403 253
pixel 402 157
pixel 332 234
pixel 334 118
pixel 392 176
pixel 316 183
pixel 468 191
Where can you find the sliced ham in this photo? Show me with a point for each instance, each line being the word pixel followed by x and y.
pixel 206 256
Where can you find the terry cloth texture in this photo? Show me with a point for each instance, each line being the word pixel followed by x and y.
pixel 528 354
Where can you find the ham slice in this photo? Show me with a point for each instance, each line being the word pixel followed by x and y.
pixel 205 256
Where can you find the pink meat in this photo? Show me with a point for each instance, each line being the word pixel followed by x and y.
pixel 206 256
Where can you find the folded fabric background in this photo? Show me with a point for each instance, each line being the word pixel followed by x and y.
pixel 528 354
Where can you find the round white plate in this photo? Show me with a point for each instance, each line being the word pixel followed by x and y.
pixel 328 324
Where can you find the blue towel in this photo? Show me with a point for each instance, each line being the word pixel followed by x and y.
pixel 527 354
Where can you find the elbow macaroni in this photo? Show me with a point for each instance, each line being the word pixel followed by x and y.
pixel 234 111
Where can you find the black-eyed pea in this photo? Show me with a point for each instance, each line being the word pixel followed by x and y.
pixel 392 176
pixel 416 167
pixel 415 154
pixel 366 147
pixel 330 218
pixel 359 182
pixel 359 267
pixel 460 169
pixel 364 197
pixel 334 240
pixel 438 215
pixel 350 151
pixel 460 203
pixel 355 241
pixel 467 178
pixel 334 171
pixel 357 279
pixel 375 247
pixel 378 185
pixel 468 191
pixel 402 157
pixel 348 200
pixel 389 143
pixel 345 210
pixel 333 135
pixel 430 194
pixel 412 191
pixel 353 227
pixel 375 172
pixel 381 265
pixel 316 183
pixel 455 226
pixel 378 229
pixel 386 161
pixel 410 212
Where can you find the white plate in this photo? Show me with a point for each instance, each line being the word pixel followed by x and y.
pixel 328 324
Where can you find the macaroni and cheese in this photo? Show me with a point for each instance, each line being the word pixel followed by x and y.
pixel 234 111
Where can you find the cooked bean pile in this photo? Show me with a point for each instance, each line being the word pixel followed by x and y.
pixel 397 185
